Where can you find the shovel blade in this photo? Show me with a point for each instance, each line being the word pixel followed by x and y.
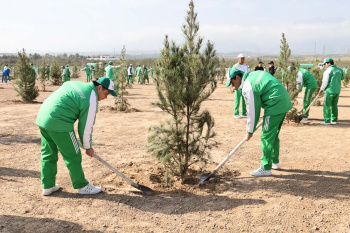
pixel 142 188
pixel 204 177
pixel 298 118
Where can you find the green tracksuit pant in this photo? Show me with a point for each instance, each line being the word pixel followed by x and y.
pixel 307 99
pixel 270 143
pixel 330 107
pixel 139 79
pixel 130 79
pixel 67 144
pixel 88 78
pixel 238 99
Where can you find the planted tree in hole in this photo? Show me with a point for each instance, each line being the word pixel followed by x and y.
pixel 75 73
pixel 25 81
pixel 183 83
pixel 121 102
pixel 42 75
pixel 56 74
pixel 288 76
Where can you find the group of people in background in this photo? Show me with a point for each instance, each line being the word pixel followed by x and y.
pixel 260 89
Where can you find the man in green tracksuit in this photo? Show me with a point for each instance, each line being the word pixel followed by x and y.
pixel 238 92
pixel 47 72
pixel 66 73
pixel 111 70
pixel 307 80
pixel 138 72
pixel 145 75
pixel 88 73
pixel 331 85
pixel 261 90
pixel 72 101
pixel 33 72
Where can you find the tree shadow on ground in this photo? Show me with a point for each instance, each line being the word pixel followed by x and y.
pixel 306 183
pixel 8 139
pixel 13 172
pixel 171 203
pixel 12 223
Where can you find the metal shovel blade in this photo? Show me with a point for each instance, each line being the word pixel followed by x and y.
pixel 299 118
pixel 204 177
pixel 142 188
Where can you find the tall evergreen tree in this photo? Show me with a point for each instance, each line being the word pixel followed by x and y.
pixel 183 83
pixel 25 82
pixel 121 102
pixel 42 75
pixel 56 74
pixel 287 73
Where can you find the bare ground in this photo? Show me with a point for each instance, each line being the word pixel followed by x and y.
pixel 309 194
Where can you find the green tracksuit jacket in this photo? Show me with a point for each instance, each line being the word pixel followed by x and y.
pixel 109 72
pixel 261 90
pixel 308 80
pixel 72 101
pixel 331 81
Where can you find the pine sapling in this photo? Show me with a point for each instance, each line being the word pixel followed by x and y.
pixel 42 75
pixel 121 102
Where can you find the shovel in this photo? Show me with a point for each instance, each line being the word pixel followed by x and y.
pixel 207 176
pixel 300 117
pixel 138 186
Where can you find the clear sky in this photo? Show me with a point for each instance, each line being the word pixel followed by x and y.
pixel 233 25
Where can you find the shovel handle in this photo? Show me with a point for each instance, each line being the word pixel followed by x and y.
pixel 233 151
pixel 115 170
pixel 312 103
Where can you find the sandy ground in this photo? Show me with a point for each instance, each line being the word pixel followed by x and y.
pixel 310 193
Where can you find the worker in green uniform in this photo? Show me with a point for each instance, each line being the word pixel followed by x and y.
pixel 66 73
pixel 111 70
pixel 145 75
pixel 47 72
pixel 88 73
pixel 238 92
pixel 138 72
pixel 130 74
pixel 261 90
pixel 307 80
pixel 331 85
pixel 72 101
pixel 33 72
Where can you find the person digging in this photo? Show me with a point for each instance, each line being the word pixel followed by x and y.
pixel 261 90
pixel 72 101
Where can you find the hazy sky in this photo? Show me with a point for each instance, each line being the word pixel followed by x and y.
pixel 233 25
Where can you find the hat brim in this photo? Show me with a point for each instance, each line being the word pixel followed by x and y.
pixel 112 92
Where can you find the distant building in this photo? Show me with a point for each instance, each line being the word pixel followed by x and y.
pixel 103 58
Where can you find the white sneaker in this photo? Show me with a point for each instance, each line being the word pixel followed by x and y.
pixel 47 192
pixel 89 189
pixel 276 166
pixel 334 123
pixel 305 119
pixel 237 116
pixel 324 123
pixel 261 172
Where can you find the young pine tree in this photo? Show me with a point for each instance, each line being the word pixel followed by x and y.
pixel 99 70
pixel 42 76
pixel 346 77
pixel 288 76
pixel 121 102
pixel 75 73
pixel 25 82
pixel 56 74
pixel 183 82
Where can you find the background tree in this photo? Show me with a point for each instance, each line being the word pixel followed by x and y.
pixel 121 102
pixel 99 70
pixel 288 76
pixel 183 83
pixel 75 73
pixel 42 76
pixel 56 73
pixel 346 77
pixel 25 82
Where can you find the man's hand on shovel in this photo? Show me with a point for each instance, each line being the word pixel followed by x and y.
pixel 249 136
pixel 90 152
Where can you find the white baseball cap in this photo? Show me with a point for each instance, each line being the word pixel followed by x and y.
pixel 240 55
